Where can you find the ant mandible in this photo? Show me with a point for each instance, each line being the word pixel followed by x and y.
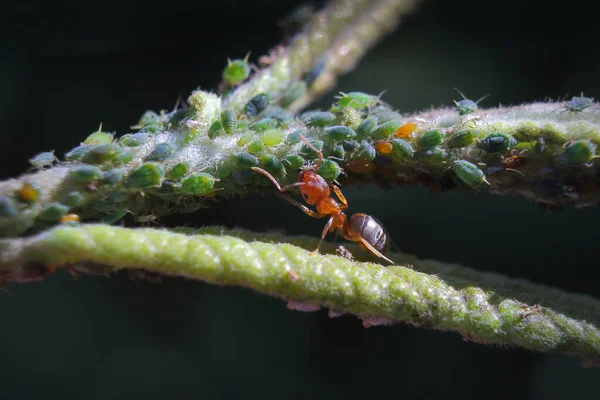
pixel 360 228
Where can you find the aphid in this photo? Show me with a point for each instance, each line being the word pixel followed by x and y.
pixel 245 138
pixel 134 139
pixel 101 153
pixel 433 156
pixel 294 161
pixel 430 139
pixel 461 138
pixel 69 219
pixel 214 129
pixel 256 105
pixel 255 147
pixel 161 152
pixel 320 118
pixel 366 128
pixel 77 152
pixel 402 149
pixel 329 170
pixel 44 159
pixel 245 160
pixel 339 132
pixel 236 71
pixel 87 174
pixel 272 137
pixel 470 174
pixel 198 184
pixel 7 208
pixel 272 164
pixel 53 212
pixel 146 176
pixel 577 104
pixel 360 228
pixel 281 115
pixel 99 137
pixel 338 152
pixel 351 118
pixel 496 143
pixel 405 129
pixel 146 219
pixel 229 121
pixel 114 176
pixel 170 187
pixel 73 199
pixel 150 122
pixel 384 147
pixel 179 170
pixel 28 193
pixel 358 100
pixel 466 106
pixel 264 124
pixel 313 148
pixel 362 150
pixel 386 129
pixel 578 152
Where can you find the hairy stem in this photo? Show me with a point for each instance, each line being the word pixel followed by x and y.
pixel 485 308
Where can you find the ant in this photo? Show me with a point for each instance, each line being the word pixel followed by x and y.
pixel 360 228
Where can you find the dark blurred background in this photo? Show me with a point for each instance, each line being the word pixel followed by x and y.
pixel 65 67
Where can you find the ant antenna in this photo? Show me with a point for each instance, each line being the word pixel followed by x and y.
pixel 313 148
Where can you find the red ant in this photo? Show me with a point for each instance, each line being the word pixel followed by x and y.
pixel 360 228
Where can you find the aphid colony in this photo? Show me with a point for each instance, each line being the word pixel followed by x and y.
pixel 358 133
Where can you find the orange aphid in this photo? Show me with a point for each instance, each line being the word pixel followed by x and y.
pixel 51 269
pixel 28 193
pixel 405 130
pixel 360 167
pixel 383 147
pixel 69 218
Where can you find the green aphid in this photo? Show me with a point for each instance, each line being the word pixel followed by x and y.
pixel 52 212
pixel 270 163
pixel 146 176
pixel 7 208
pixel 245 160
pixel 179 170
pixel 77 152
pixel 469 174
pixel 386 129
pixel 113 217
pixel 229 121
pixel 357 100
pixel 362 150
pixel 99 137
pixel 256 105
pixel 402 149
pixel 180 117
pixel 236 71
pixel 264 125
pixel 125 156
pixel 294 161
pixel 133 139
pixel 170 187
pixel 496 143
pixel 255 147
pixel 161 152
pixel 246 138
pixel 225 168
pixel 198 184
pixel 272 137
pixel 329 170
pixel 283 117
pixel 44 159
pixel 430 139
pixel 366 127
pixel 466 106
pixel 433 156
pixel 101 153
pixel 242 125
pixel 293 137
pixel 462 138
pixel 214 129
pixel 114 176
pixel 351 118
pixel 578 152
pixel 577 104
pixel 318 144
pixel 340 132
pixel 73 199
pixel 150 122
pixel 293 93
pixel 385 115
pixel 321 118
pixel 338 152
pixel 87 174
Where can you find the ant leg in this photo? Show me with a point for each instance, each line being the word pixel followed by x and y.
pixel 281 189
pixel 374 250
pixel 313 148
pixel 323 234
pixel 340 196
pixel 306 210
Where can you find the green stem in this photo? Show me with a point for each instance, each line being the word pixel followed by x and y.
pixel 482 307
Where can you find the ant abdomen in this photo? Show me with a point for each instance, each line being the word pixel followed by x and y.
pixel 369 229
